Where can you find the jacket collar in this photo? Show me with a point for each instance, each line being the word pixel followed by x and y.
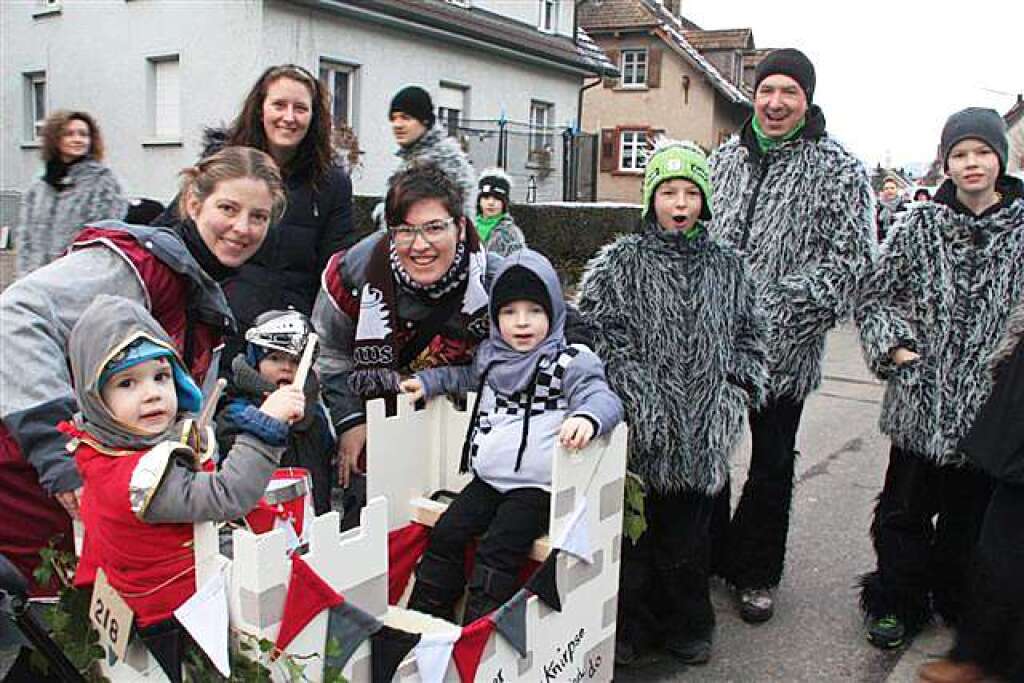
pixel 814 129
pixel 1009 187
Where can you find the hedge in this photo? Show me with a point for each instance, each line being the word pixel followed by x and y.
pixel 568 234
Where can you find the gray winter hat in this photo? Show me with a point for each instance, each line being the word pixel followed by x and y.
pixel 976 123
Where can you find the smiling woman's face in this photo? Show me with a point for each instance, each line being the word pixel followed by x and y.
pixel 234 219
pixel 427 261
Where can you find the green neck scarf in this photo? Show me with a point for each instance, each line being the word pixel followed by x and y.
pixel 485 226
pixel 766 143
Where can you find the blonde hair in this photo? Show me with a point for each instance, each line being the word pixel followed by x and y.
pixel 230 163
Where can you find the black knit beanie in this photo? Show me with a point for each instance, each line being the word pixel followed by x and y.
pixel 495 186
pixel 788 62
pixel 976 123
pixel 519 283
pixel 414 101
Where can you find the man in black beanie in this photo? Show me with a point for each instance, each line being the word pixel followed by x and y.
pixel 411 114
pixel 800 207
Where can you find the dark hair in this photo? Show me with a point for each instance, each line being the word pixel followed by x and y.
pixel 922 191
pixel 200 181
pixel 416 182
pixel 314 156
pixel 54 126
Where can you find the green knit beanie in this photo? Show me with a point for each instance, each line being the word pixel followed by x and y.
pixel 678 159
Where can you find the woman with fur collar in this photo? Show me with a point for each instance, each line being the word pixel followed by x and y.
pixel 677 325
pixel 931 314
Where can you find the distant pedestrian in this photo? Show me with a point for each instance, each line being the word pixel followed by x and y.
pixel 890 205
pixel 677 324
pixel 931 315
pixel 922 195
pixel 798 206
pixel 497 228
pixel 75 189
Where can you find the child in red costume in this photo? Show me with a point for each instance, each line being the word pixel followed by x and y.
pixel 143 486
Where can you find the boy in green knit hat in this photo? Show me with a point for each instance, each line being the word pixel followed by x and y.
pixel 683 340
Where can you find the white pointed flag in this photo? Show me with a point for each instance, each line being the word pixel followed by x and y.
pixel 433 654
pixel 205 617
pixel 576 538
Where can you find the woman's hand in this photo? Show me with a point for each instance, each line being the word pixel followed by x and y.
pixel 901 355
pixel 576 432
pixel 413 387
pixel 351 445
pixel 70 500
pixel 287 404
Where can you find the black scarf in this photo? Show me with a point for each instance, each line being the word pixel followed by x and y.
pixel 189 234
pixel 1011 189
pixel 57 170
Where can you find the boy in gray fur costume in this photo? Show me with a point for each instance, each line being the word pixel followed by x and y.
pixel 677 323
pixel 799 207
pixel 931 314
pixel 498 230
pixel 533 390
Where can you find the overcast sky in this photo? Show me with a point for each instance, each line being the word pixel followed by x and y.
pixel 890 71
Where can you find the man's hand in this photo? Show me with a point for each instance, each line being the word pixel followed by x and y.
pixel 576 432
pixel 71 501
pixel 351 445
pixel 902 355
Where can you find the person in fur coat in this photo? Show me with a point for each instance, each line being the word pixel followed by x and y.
pixel 75 189
pixel 799 207
pixel 678 326
pixel 498 230
pixel 931 314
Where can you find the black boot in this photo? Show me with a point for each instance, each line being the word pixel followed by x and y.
pixel 489 589
pixel 439 585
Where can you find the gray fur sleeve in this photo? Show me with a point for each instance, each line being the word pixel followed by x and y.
pixel 811 302
pixel 38 312
pixel 186 495
pixel 883 295
pixel 750 366
pixel 457 380
pixel 334 363
pixel 107 200
pixel 589 393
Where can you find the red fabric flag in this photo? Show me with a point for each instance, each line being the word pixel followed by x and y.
pixel 405 547
pixel 308 595
pixel 470 647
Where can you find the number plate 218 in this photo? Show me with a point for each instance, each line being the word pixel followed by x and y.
pixel 110 615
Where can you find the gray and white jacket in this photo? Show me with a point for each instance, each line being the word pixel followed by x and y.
pixel 506 237
pixel 944 286
pixel 436 147
pixel 48 220
pixel 803 216
pixel 679 328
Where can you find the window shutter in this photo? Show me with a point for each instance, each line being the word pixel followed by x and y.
pixel 654 67
pixel 609 162
pixel 613 57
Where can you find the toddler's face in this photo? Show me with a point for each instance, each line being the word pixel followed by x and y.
pixel 143 397
pixel 523 324
pixel 677 204
pixel 278 368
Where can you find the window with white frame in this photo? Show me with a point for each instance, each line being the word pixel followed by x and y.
pixel 634 68
pixel 452 105
pixel 35 104
pixel 165 93
pixel 339 81
pixel 632 150
pixel 549 15
pixel 542 117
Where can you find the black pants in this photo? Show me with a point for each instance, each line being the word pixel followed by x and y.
pixel 919 558
pixel 991 629
pixel 751 549
pixel 663 589
pixel 509 523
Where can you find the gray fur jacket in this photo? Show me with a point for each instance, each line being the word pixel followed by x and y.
pixel 803 216
pixel 49 220
pixel 444 151
pixel 678 326
pixel 944 287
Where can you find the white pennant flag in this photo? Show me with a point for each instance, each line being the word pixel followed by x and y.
pixel 576 539
pixel 205 617
pixel 433 654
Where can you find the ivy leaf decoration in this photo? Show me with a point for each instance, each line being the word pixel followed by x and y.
pixel 634 524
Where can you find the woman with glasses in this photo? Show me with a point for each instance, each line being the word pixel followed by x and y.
pixel 286 115
pixel 408 298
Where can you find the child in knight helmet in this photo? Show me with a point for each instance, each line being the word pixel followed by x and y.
pixel 274 345
pixel 676 322
pixel 532 390
pixel 143 489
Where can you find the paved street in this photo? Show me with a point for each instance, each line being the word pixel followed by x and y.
pixel 816 634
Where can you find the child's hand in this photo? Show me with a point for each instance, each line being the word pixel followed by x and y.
pixel 287 404
pixel 413 387
pixel 576 432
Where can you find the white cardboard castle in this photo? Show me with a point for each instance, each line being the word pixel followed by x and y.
pixel 409 456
